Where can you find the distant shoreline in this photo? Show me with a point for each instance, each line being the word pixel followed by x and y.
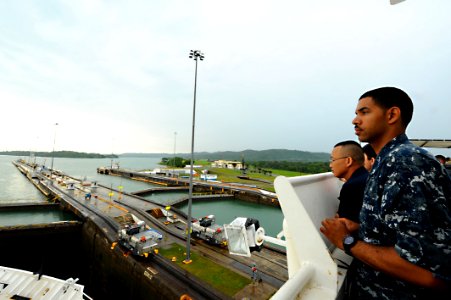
pixel 246 155
pixel 60 154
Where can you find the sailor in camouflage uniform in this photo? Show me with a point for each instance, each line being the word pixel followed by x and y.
pixel 403 243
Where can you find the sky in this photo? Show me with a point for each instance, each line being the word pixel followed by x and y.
pixel 116 75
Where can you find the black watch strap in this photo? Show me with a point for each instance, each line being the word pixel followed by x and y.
pixel 349 241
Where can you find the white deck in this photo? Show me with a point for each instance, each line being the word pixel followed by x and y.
pixel 16 282
pixel 313 268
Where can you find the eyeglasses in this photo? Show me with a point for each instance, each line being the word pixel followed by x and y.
pixel 334 159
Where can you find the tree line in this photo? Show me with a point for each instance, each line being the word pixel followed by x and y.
pixel 295 166
pixel 65 154
pixel 177 162
pixel 262 166
pixel 248 155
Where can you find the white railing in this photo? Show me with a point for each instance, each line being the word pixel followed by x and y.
pixel 305 201
pixel 312 269
pixel 293 287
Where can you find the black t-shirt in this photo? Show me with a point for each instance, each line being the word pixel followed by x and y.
pixel 351 195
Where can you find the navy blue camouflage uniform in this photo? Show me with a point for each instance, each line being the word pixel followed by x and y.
pixel 407 205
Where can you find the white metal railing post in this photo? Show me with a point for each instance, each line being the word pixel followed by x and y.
pixel 292 288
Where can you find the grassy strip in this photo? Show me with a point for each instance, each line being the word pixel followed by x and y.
pixel 222 279
pixel 230 175
pixel 277 172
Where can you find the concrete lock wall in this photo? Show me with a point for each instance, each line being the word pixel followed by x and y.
pixel 116 276
pixel 81 250
pixel 48 249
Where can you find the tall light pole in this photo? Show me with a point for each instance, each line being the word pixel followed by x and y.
pixel 196 55
pixel 175 141
pixel 53 151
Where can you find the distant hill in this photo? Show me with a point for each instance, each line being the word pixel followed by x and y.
pixel 66 154
pixel 248 155
pixel 158 155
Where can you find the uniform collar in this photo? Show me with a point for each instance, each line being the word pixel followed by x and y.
pixel 400 139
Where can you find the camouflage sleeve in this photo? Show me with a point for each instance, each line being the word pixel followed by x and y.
pixel 414 207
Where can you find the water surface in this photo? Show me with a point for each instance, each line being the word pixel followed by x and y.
pixel 16 188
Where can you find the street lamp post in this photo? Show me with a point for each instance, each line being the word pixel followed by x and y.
pixel 53 151
pixel 196 55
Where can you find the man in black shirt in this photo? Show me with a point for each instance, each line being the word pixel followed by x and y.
pixel 346 162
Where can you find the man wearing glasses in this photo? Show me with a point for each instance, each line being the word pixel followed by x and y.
pixel 346 163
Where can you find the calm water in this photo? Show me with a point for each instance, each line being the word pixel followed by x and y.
pixel 15 188
pixel 10 218
pixel 226 211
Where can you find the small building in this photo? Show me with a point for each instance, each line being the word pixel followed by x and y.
pixel 194 166
pixel 227 164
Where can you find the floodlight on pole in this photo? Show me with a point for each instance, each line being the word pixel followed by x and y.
pixel 394 2
pixel 196 55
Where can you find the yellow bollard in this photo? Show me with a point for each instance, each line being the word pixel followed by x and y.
pixel 113 245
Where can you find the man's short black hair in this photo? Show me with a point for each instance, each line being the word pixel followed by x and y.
pixel 347 143
pixel 352 149
pixel 387 97
pixel 369 151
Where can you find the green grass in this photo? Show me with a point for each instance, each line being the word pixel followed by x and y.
pixel 217 276
pixel 230 175
pixel 202 162
pixel 286 173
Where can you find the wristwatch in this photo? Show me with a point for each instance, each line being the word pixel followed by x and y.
pixel 349 241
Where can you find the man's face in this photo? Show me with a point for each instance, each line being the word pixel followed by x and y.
pixel 337 162
pixel 369 122
pixel 368 163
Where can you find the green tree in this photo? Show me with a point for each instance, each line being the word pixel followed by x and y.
pixel 176 162
pixel 297 166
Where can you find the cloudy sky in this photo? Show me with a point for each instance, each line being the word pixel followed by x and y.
pixel 116 77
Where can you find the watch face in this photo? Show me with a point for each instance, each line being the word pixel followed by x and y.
pixel 349 240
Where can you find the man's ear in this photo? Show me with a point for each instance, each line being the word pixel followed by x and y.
pixel 393 115
pixel 349 161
